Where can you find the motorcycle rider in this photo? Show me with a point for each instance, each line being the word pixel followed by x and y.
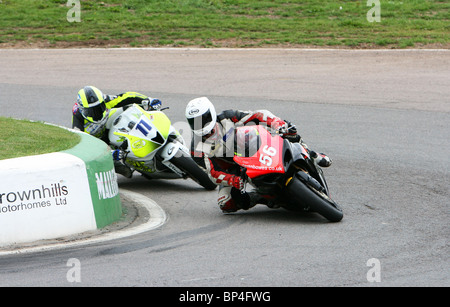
pixel 211 142
pixel 92 110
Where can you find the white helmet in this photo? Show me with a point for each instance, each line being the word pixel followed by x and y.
pixel 201 115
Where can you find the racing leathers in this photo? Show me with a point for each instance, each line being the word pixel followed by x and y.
pixel 115 104
pixel 217 151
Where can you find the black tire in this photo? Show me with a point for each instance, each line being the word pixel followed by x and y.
pixel 317 201
pixel 188 165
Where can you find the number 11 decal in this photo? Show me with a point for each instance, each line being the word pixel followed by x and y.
pixel 142 125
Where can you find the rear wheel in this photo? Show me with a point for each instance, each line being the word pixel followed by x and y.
pixel 315 200
pixel 188 165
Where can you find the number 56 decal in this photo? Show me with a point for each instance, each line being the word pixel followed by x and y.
pixel 266 157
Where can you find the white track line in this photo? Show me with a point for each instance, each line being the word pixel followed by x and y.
pixel 157 218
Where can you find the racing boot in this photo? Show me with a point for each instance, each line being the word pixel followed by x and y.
pixel 320 159
pixel 226 203
pixel 122 169
pixel 256 198
pixel 231 200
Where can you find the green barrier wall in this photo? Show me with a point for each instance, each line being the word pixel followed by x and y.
pixel 102 178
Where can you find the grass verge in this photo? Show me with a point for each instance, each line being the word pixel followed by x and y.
pixel 20 138
pixel 224 23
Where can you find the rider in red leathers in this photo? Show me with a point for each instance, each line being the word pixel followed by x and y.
pixel 214 143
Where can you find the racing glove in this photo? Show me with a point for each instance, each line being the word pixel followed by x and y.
pixel 117 154
pixel 236 182
pixel 286 128
pixel 151 104
pixel 289 132
pixel 277 124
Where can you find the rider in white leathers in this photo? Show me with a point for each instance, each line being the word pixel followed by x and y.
pixel 211 142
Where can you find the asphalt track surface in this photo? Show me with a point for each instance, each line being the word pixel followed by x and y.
pixel 382 116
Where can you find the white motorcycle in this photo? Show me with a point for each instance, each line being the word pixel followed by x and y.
pixel 153 147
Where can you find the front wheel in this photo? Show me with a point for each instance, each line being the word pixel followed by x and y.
pixel 316 201
pixel 188 165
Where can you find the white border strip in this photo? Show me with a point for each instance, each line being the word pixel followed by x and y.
pixel 157 218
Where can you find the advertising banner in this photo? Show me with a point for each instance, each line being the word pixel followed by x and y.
pixel 58 194
pixel 44 197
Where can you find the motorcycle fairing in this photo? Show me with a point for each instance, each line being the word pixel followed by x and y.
pixel 139 128
pixel 265 157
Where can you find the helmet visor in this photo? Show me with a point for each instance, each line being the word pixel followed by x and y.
pixel 94 113
pixel 202 125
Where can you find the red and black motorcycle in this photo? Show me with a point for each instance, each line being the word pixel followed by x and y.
pixel 283 172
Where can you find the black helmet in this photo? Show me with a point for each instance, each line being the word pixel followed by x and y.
pixel 91 104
